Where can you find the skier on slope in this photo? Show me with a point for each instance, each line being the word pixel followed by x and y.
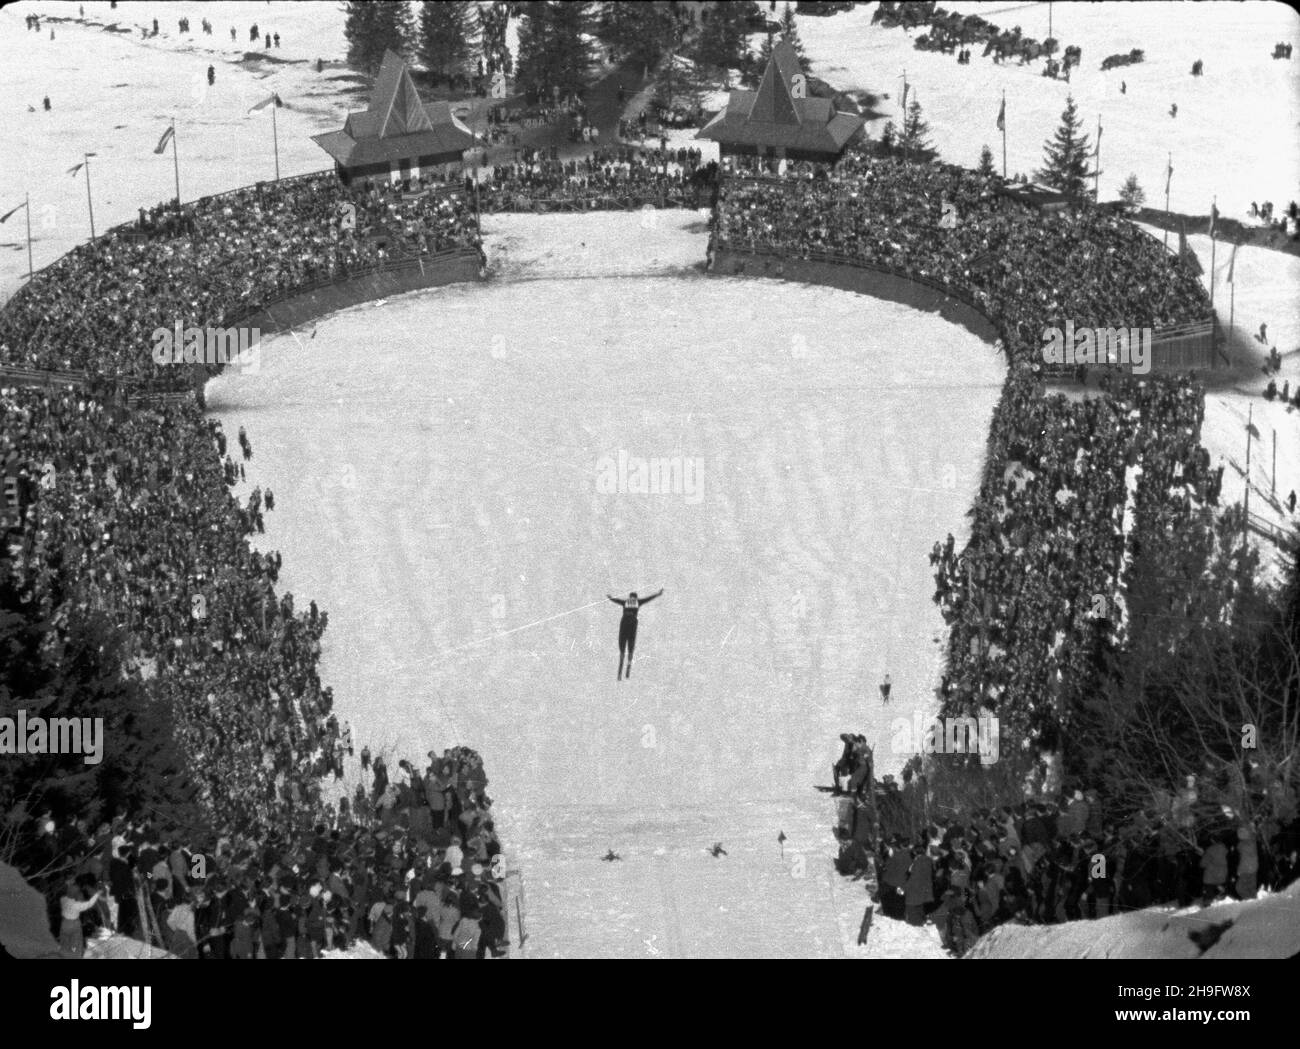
pixel 627 627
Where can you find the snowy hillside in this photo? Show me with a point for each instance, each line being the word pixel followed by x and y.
pixel 1261 928
pixel 1234 134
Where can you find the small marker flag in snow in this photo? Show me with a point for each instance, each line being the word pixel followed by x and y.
pixel 166 137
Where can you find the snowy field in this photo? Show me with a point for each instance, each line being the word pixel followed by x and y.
pixel 1261 928
pixel 1234 135
pixel 457 533
pixel 1267 292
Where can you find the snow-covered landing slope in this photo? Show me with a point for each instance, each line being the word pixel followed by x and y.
pixel 1268 927
pixel 435 463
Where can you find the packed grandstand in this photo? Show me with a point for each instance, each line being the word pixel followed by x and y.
pixel 122 513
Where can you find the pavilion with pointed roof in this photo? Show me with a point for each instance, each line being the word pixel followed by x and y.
pixel 772 122
pixel 398 134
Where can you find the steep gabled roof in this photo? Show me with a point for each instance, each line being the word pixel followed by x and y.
pixel 395 100
pixel 773 103
pixel 773 117
pixel 396 125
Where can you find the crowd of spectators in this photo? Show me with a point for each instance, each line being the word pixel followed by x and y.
pixel 619 177
pixel 1056 859
pixel 1049 526
pixel 413 867
pixel 216 260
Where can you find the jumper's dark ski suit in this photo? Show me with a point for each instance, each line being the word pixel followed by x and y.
pixel 627 628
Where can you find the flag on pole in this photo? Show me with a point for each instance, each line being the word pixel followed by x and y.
pixel 5 216
pixel 1232 260
pixel 266 102
pixel 1169 174
pixel 1002 116
pixel 1214 215
pixel 166 137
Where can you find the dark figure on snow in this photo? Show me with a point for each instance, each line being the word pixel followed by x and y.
pixel 46 103
pixel 1290 502
pixel 627 627
pixel 1123 87
pixel 611 856
pixel 717 850
pixel 1173 110
pixel 212 76
pixel 885 687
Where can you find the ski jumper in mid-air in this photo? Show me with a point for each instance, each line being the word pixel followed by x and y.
pixel 627 627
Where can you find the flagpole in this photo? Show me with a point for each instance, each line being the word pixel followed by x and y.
pixel 1245 524
pixel 176 167
pixel 275 135
pixel 1213 243
pixel 85 157
pixel 1096 171
pixel 1004 135
pixel 1232 301
pixel 1169 170
pixel 28 206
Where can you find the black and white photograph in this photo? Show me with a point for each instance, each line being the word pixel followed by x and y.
pixel 903 399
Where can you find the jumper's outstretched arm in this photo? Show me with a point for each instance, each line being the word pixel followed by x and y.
pixel 647 600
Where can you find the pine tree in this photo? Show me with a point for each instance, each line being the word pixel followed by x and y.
pixel 1131 194
pixel 888 138
pixel 723 42
pixel 640 34
pixel 77 672
pixel 1066 156
pixel 986 162
pixel 448 35
pixel 554 52
pixel 915 140
pixel 790 34
pixel 371 28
